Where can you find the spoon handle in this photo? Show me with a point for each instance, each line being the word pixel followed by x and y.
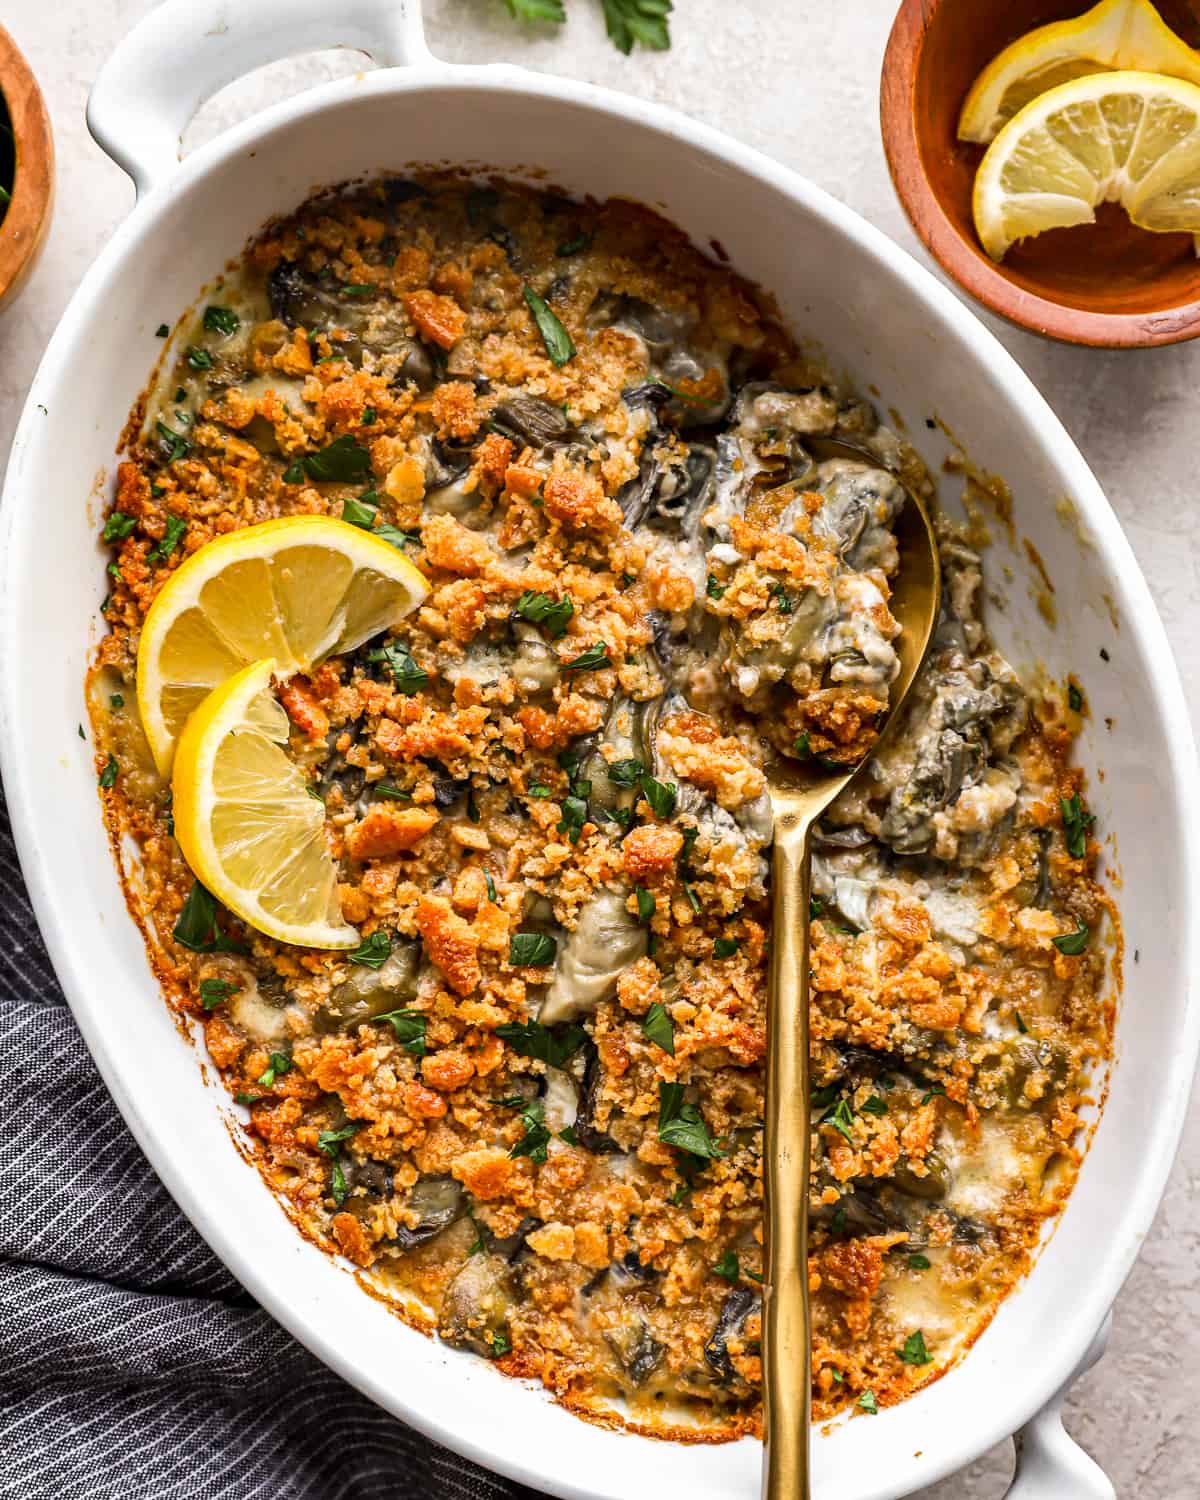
pixel 786 1342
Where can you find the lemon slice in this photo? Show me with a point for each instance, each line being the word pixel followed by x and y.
pixel 1116 34
pixel 296 590
pixel 1128 138
pixel 245 821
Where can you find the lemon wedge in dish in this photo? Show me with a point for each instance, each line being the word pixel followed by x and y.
pixel 1116 34
pixel 296 590
pixel 1128 138
pixel 245 821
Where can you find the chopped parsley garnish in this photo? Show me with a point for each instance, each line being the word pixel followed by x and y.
pixel 874 1106
pixel 579 242
pixel 727 1267
pixel 368 416
pixel 555 337
pixel 355 513
pixel 591 660
pixel 172 535
pixel 568 1135
pixel 491 886
pixel 221 320
pixel 480 1242
pixel 914 1351
pixel 501 1342
pixel 934 1091
pixel 646 904
pixel 534 1142
pixel 1076 823
pixel 816 905
pixel 539 789
pixel 396 537
pixel 540 609
pixel 531 950
pixel 279 1064
pixel 248 1098
pixel 690 835
pixel 660 795
pixel 356 289
pixel 214 992
pixel 725 947
pixel 532 1039
pixel 782 598
pixel 199 359
pixel 801 747
pixel 574 816
pixel 108 777
pixel 1071 943
pixel 621 816
pixel 409 677
pixel 372 952
pixel 919 1263
pixel 868 1403
pixel 330 1142
pixel 196 927
pixel 343 461
pixel 1020 1020
pixel 409 1026
pixel 657 1027
pixel 116 701
pixel 681 1125
pixel 693 900
pixel 391 793
pixel 841 1117
pixel 118 526
pixel 625 772
pixel 1074 697
pixel 161 331
pixel 713 589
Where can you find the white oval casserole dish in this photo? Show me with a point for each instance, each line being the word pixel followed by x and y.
pixel 878 315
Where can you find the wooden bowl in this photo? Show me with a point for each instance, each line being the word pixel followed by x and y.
pixel 1107 284
pixel 23 228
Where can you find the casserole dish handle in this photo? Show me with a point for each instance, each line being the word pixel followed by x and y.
pixel 184 51
pixel 1050 1463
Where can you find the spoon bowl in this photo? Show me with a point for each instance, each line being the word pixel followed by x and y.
pixel 800 791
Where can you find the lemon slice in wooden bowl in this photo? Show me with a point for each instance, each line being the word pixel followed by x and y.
pixel 1114 35
pixel 1128 138
pixel 245 821
pixel 297 590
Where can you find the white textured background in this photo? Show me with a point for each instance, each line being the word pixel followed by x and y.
pixel 798 79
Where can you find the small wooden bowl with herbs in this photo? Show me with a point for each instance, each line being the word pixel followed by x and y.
pixel 26 168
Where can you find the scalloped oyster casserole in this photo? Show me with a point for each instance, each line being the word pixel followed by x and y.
pixel 525 1088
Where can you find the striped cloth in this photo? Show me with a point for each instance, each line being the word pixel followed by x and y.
pixel 132 1365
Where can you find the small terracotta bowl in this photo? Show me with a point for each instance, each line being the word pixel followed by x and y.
pixel 1108 284
pixel 24 226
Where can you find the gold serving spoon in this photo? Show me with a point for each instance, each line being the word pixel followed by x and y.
pixel 800 792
